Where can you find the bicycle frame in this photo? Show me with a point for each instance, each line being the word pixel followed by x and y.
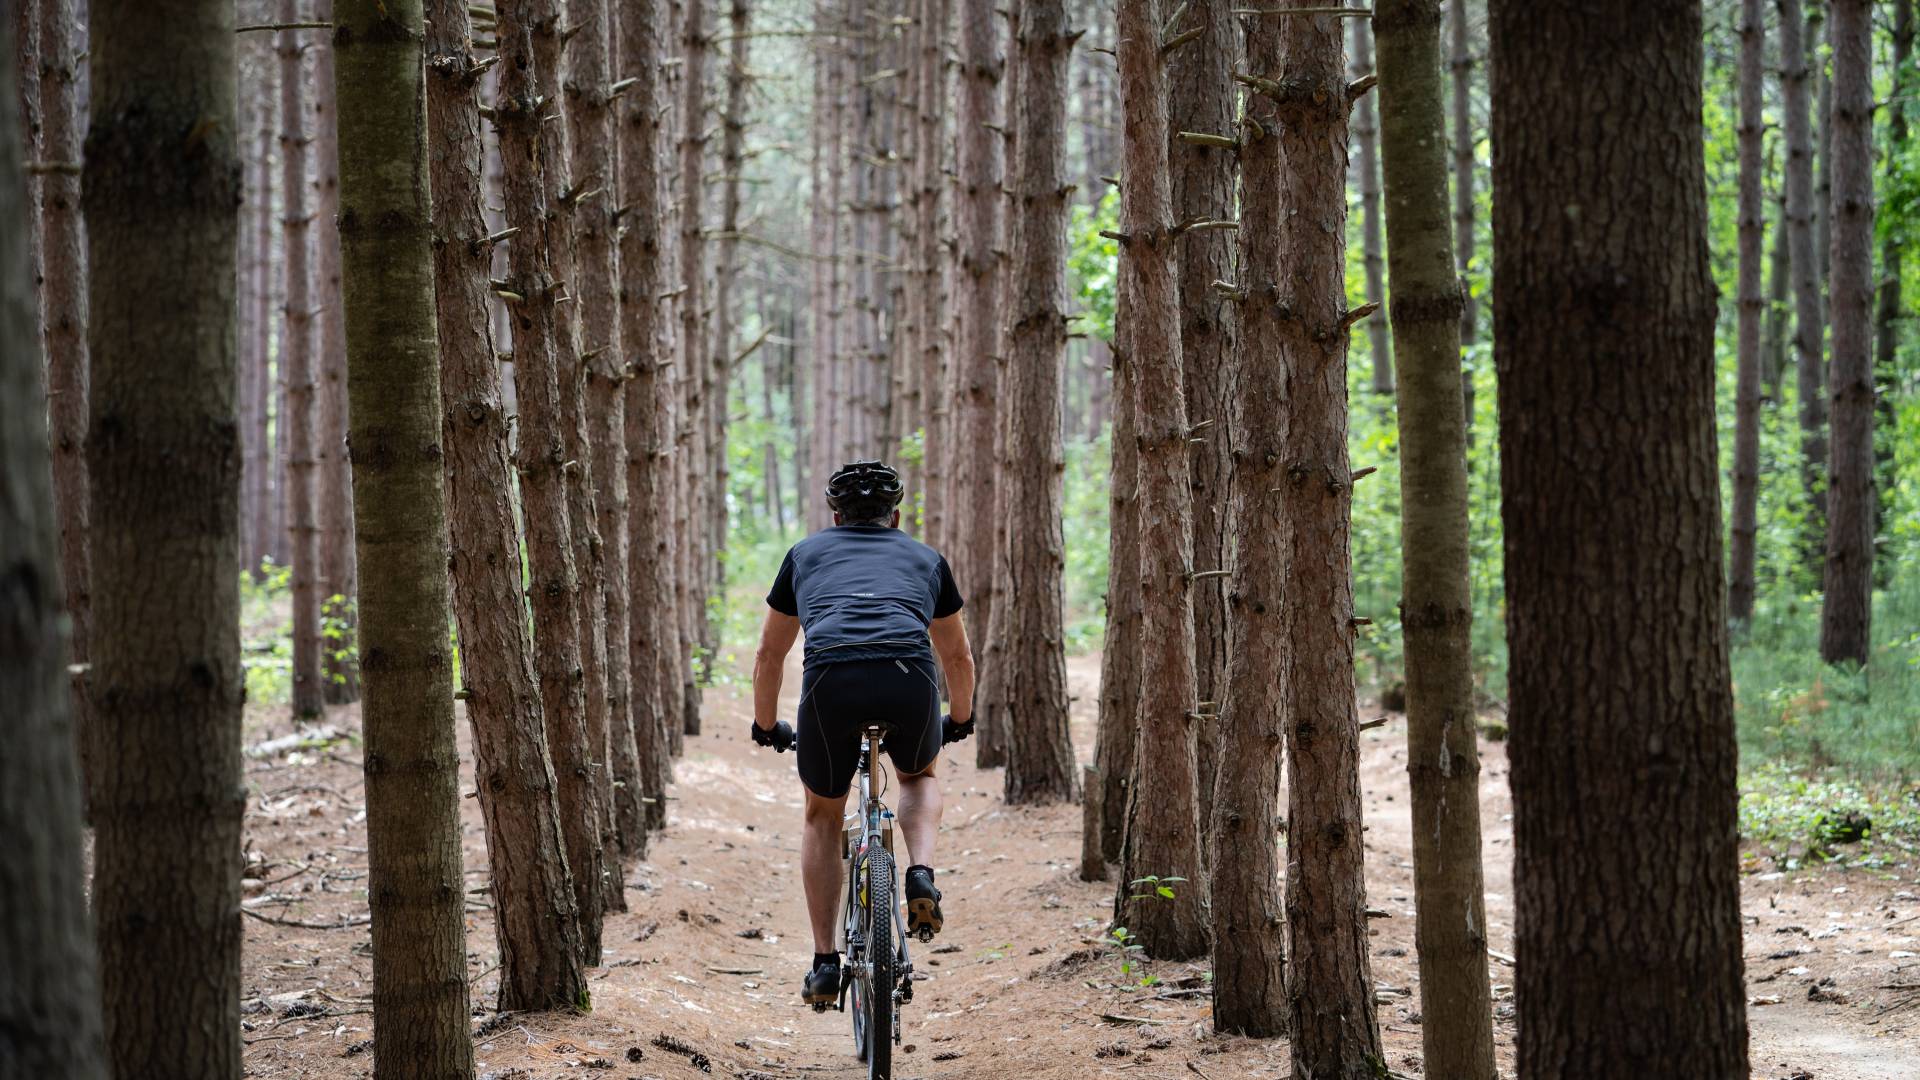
pixel 871 814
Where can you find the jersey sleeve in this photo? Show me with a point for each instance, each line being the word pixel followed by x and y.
pixel 781 597
pixel 947 600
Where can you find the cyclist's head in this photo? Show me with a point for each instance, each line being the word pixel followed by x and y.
pixel 865 493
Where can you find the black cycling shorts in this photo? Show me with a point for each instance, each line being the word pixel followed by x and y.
pixel 838 700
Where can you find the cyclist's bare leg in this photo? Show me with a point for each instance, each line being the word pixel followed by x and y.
pixel 821 868
pixel 920 814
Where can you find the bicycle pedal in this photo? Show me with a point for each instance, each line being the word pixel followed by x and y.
pixel 925 935
pixel 821 1006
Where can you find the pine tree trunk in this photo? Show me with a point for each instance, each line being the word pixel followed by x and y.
pixel 49 985
pixel 261 456
pixel 63 295
pixel 1460 65
pixel 415 887
pixel 1846 613
pixel 1752 226
pixel 1808 316
pixel 1779 307
pixel 1366 136
pixel 1163 814
pixel 1893 246
pixel 338 583
pixel 695 369
pixel 1631 667
pixel 1819 28
pixel 1032 686
pixel 732 162
pixel 1118 730
pixel 652 632
pixel 297 359
pixel 1200 76
pixel 1248 933
pixel 161 194
pixel 1436 609
pixel 974 394
pixel 535 917
pixel 538 328
pixel 929 316
pixel 24 21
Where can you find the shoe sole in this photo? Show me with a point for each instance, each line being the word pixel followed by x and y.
pixel 923 915
pixel 820 999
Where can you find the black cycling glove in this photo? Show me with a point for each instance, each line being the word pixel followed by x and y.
pixel 951 732
pixel 780 736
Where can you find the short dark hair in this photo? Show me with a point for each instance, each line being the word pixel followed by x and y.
pixel 879 517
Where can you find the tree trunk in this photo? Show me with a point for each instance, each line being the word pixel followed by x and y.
pixel 161 194
pixel 652 632
pixel 297 358
pixel 536 919
pixel 1820 26
pixel 1893 246
pixel 1249 943
pixel 260 481
pixel 976 275
pixel 1436 607
pixel 732 163
pixel 1847 611
pixel 1620 687
pixel 1200 74
pixel 63 294
pixel 1808 317
pixel 596 431
pixel 1461 87
pixel 1366 134
pixel 1032 686
pixel 1163 811
pixel 929 315
pixel 1779 310
pixel 695 369
pixel 1752 226
pixel 1118 731
pixel 533 291
pixel 338 592
pixel 49 986
pixel 415 887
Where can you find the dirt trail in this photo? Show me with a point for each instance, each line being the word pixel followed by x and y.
pixel 712 950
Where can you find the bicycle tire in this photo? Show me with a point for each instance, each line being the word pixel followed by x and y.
pixel 877 1006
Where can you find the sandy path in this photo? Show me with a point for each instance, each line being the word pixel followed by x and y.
pixel 714 945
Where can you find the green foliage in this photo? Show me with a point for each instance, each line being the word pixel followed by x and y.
pixel 1093 264
pixel 1794 818
pixel 1131 956
pixel 340 645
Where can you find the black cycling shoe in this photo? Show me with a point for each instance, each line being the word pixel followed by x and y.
pixel 923 903
pixel 821 987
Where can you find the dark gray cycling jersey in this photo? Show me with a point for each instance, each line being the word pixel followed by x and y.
pixel 864 592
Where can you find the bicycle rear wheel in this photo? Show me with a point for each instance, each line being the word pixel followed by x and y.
pixel 873 992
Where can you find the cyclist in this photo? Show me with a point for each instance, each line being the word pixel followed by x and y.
pixel 876 606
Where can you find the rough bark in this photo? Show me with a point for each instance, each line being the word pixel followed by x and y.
pixel 1460 86
pixel 535 918
pixel 1163 812
pixel 598 431
pixel 1779 305
pixel 1751 305
pixel 733 124
pixel 929 300
pixel 537 346
pixel 1032 685
pixel 974 395
pixel 695 370
pixel 1200 77
pixel 1249 959
pixel 333 474
pixel 652 633
pixel 1893 246
pixel 161 194
pixel 259 473
pixel 1808 316
pixel 1114 740
pixel 1621 695
pixel 1820 28
pixel 49 986
pixel 297 344
pixel 1366 137
pixel 1847 610
pixel 414 883
pixel 1436 607
pixel 63 298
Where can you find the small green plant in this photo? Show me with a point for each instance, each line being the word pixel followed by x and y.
pixel 1123 942
pixel 338 637
pixel 1155 886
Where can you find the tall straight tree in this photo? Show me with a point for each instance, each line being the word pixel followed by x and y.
pixel 1893 246
pixel 63 293
pixel 49 986
pixel 297 366
pixel 533 293
pixel 1201 104
pixel 260 475
pixel 652 631
pixel 161 193
pixel 1163 810
pixel 1329 984
pixel 928 297
pixel 1460 86
pixel 1118 730
pixel 1808 314
pixel 1031 691
pixel 1250 993
pixel 1366 133
pixel 1752 226
pixel 733 150
pixel 1436 607
pixel 1847 611
pixel 535 918
pixel 1621 695
pixel 414 883
pixel 695 368
pixel 333 492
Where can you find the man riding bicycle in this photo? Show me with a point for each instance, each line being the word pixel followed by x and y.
pixel 876 606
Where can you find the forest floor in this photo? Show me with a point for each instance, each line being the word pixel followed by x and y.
pixel 701 974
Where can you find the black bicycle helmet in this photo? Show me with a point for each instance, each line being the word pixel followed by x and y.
pixel 864 490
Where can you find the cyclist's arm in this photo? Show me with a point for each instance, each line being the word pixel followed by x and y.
pixel 777 635
pixel 956 659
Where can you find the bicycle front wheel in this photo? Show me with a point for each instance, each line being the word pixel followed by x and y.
pixel 873 993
